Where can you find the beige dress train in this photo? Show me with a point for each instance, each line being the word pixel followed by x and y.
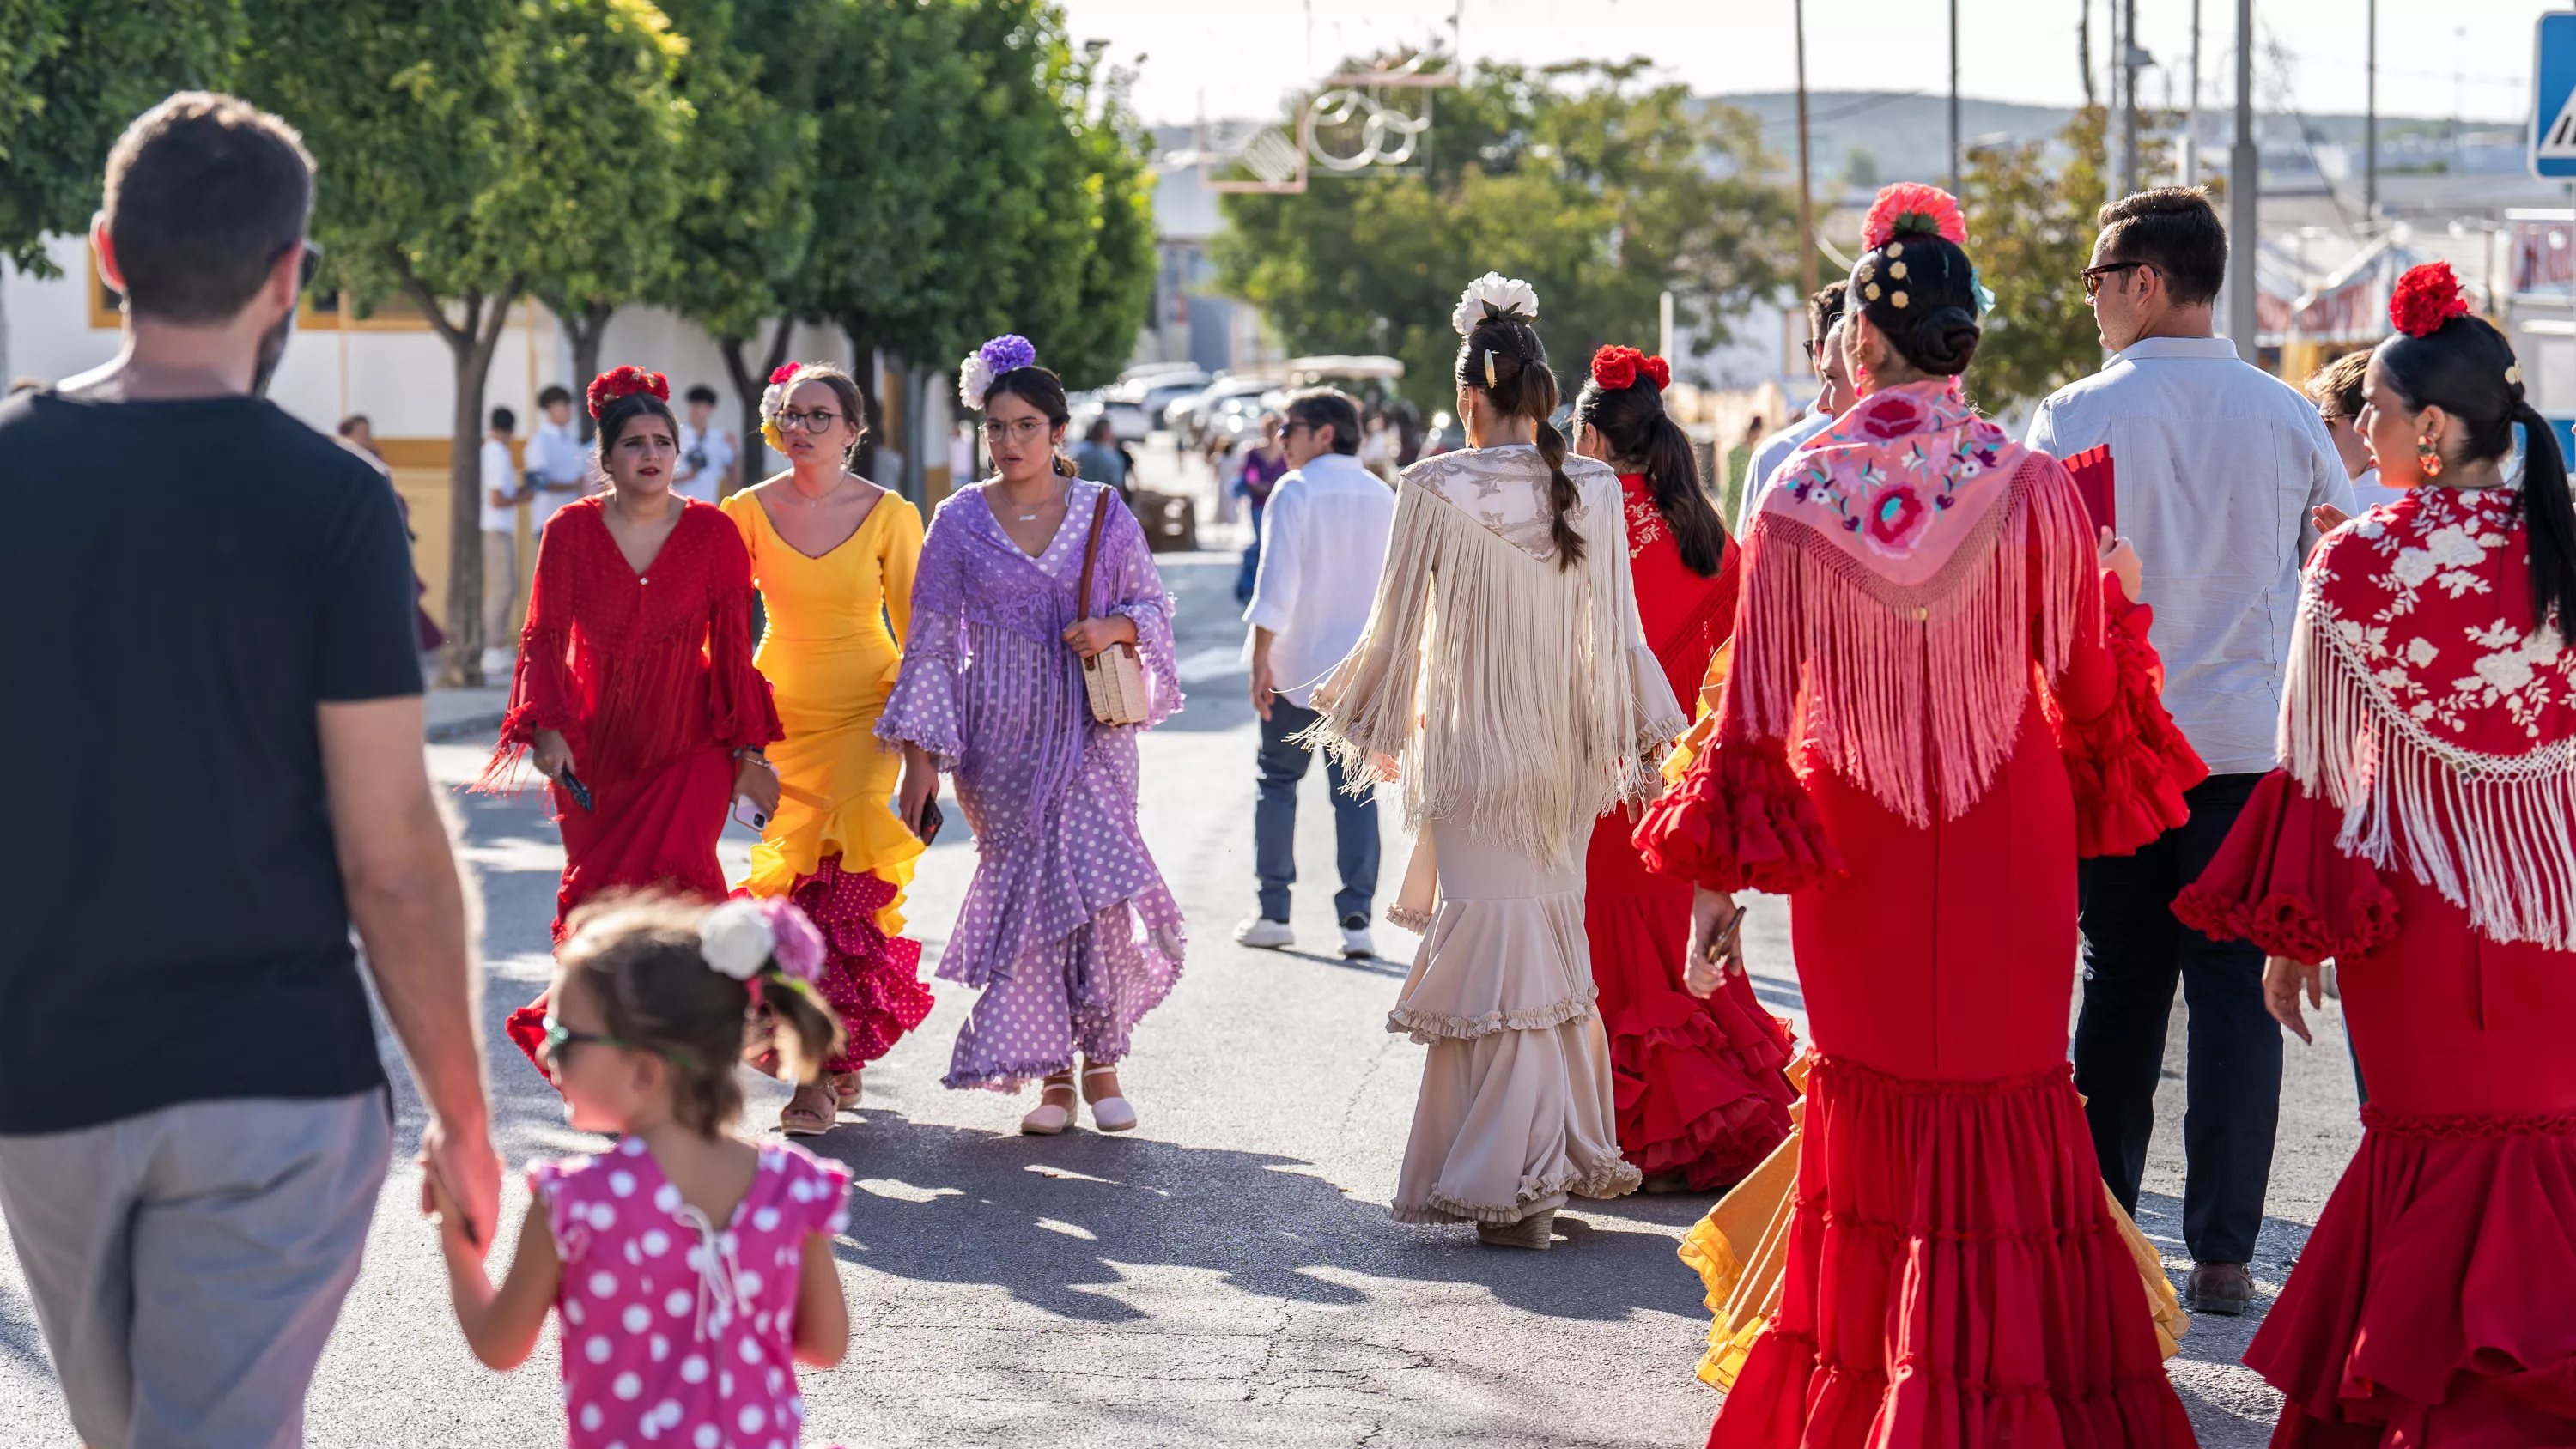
pixel 1516 701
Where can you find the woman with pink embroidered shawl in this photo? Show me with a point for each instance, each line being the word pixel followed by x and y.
pixel 1939 696
pixel 2421 832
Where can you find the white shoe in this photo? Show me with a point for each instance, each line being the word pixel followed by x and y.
pixel 1049 1119
pixel 1356 940
pixel 1111 1114
pixel 496 661
pixel 1263 932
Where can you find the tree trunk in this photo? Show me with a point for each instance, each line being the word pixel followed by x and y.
pixel 863 370
pixel 586 325
pixel 748 386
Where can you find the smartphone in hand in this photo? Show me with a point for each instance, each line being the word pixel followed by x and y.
pixel 573 787
pixel 931 820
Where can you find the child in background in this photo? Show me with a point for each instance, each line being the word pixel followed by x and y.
pixel 692 1270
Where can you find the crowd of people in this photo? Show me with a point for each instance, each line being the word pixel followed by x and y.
pixel 2152 680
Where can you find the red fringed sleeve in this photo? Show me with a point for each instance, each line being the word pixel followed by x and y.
pixel 2282 883
pixel 2127 762
pixel 1739 820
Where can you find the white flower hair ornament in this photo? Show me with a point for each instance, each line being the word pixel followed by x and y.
pixel 773 401
pixel 737 939
pixel 1494 297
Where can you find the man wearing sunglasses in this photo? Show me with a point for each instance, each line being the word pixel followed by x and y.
pixel 221 774
pixel 2216 465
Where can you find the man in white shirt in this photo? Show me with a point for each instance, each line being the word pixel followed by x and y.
pixel 500 543
pixel 706 453
pixel 557 457
pixel 2215 465
pixel 1833 394
pixel 1323 541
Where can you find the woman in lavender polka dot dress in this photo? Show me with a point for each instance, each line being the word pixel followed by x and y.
pixel 1067 926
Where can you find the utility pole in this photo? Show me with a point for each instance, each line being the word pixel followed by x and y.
pixel 2370 121
pixel 1954 97
pixel 1806 198
pixel 2127 25
pixel 2244 183
pixel 2190 152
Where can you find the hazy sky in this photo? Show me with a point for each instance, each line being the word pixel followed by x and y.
pixel 1237 57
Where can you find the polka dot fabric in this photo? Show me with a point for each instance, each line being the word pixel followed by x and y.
pixel 677 1332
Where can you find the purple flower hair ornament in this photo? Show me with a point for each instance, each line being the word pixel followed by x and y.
pixel 1006 353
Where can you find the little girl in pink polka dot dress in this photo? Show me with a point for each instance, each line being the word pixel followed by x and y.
pixel 692 1271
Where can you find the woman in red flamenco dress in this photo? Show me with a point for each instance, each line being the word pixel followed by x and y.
pixel 1700 1093
pixel 2421 832
pixel 1955 1272
pixel 635 695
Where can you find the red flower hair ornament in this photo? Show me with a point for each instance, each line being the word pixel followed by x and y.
pixel 2425 298
pixel 620 382
pixel 785 371
pixel 1911 206
pixel 1615 367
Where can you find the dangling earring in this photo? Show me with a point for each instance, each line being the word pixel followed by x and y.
pixel 2427 462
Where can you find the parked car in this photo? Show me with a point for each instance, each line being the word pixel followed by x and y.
pixel 1135 407
pixel 1195 425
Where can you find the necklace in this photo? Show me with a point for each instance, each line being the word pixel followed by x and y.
pixel 1033 517
pixel 822 498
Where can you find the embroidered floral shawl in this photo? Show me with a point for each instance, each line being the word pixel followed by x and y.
pixel 1887 611
pixel 2429 706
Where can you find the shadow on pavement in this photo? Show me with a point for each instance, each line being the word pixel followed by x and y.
pixel 949 1205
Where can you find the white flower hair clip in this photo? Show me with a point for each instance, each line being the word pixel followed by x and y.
pixel 737 938
pixel 1494 297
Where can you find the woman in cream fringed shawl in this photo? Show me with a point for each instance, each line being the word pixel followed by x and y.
pixel 1505 682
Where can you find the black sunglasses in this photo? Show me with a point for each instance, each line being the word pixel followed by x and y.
pixel 2093 275
pixel 305 269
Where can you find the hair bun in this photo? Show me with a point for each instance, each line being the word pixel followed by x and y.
pixel 1944 340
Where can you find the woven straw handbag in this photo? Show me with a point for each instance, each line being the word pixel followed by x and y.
pixel 1114 678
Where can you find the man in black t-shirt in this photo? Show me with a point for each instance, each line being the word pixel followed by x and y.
pixel 214 712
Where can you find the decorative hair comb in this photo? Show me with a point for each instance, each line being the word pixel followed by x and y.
pixel 620 382
pixel 1007 353
pixel 1616 367
pixel 2425 298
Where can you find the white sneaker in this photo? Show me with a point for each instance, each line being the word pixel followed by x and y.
pixel 1356 940
pixel 496 662
pixel 1263 932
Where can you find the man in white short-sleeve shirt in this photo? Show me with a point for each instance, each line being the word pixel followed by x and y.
pixel 501 494
pixel 706 451
pixel 1324 533
pixel 557 456
pixel 2215 466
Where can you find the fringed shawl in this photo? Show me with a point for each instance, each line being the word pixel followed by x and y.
pixel 1517 698
pixel 2427 704
pixel 1887 623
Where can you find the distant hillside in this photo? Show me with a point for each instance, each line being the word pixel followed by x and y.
pixel 1872 137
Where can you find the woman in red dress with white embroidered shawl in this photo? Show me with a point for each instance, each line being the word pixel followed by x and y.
pixel 2422 833
pixel 1700 1091
pixel 1955 1273
pixel 635 676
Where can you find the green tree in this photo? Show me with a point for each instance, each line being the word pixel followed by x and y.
pixel 72 75
pixel 468 149
pixel 1601 190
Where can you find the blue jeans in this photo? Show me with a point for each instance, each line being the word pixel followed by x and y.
pixel 1251 561
pixel 1274 821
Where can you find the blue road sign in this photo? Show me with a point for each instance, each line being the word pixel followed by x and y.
pixel 2553 98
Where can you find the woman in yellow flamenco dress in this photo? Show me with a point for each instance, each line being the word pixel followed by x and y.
pixel 832 555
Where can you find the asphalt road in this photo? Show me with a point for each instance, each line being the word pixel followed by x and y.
pixel 1227 1275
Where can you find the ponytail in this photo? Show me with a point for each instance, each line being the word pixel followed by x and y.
pixel 1642 437
pixel 2549 514
pixel 1508 351
pixel 1065 467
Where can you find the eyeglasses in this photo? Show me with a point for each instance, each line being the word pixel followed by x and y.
pixel 558 1036
pixel 1017 430
pixel 820 420
pixel 2093 275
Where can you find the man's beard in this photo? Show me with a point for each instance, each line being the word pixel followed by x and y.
pixel 272 348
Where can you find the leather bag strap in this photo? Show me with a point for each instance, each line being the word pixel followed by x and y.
pixel 1091 553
